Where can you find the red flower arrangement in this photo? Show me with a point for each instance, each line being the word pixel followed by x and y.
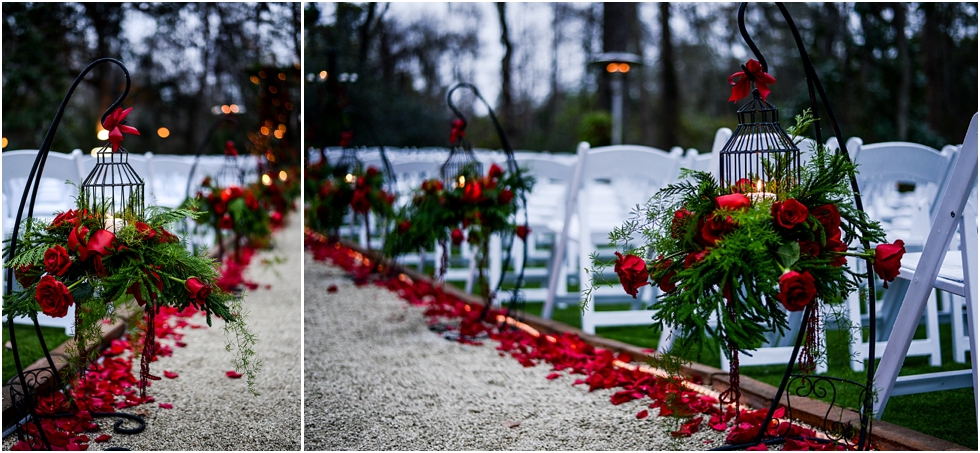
pixel 331 194
pixel 234 209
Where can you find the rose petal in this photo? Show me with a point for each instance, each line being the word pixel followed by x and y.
pixel 642 414
pixel 166 406
pixel 553 376
pixel 332 289
pixel 233 374
pixel 103 438
pixel 170 374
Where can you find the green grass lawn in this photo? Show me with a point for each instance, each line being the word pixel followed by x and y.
pixel 29 346
pixel 948 415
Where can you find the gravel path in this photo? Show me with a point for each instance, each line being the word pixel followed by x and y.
pixel 211 411
pixel 378 379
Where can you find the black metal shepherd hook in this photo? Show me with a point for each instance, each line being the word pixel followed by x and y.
pixel 814 87
pixel 23 398
pixel 512 167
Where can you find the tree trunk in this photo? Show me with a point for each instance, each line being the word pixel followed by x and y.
pixel 905 72
pixel 365 34
pixel 670 95
pixel 506 89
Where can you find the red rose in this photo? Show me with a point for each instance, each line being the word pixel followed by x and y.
pixel 495 171
pixel 197 291
pixel 472 192
pixel 789 213
pixel 359 202
pixel 732 202
pixel 326 189
pixel 489 183
pixel 70 217
pixel 25 275
pixel 134 289
pixel 145 230
pixel 76 241
pixel 796 290
pixel 677 224
pixel 206 181
pixel 743 185
pixel 101 243
pixel 432 186
pixel 456 236
pixel 220 208
pixel 371 172
pixel 665 284
pixel 53 296
pixel 389 198
pixel 56 260
pixel 251 202
pixel 835 245
pixel 716 227
pixel 888 259
pixel 632 273
pixel 694 257
pixel 275 219
pixel 809 248
pixel 166 236
pixel 403 226
pixel 506 196
pixel 522 232
pixel 226 223
pixel 828 216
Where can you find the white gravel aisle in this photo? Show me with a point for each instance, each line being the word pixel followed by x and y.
pixel 377 379
pixel 213 412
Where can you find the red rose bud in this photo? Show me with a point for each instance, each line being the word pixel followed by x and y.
pixel 76 241
pixel 53 297
pixel 251 202
pixel 134 289
pixel 226 223
pixel 56 260
pixel 665 284
pixel 25 275
pixel 472 193
pixel 506 196
pixel 522 232
pixel 888 260
pixel 632 271
pixel 371 172
pixel 809 248
pixel 743 185
pixel 101 243
pixel 275 219
pixel 166 236
pixel 828 216
pixel 206 181
pixel 681 216
pixel 389 198
pixel 403 226
pixel 456 236
pixel 230 149
pixel 693 258
pixel 359 202
pixel 715 228
pixel 145 230
pixel 789 213
pixel 732 202
pixel 495 171
pixel 69 217
pixel 796 290
pixel 197 291
pixel 835 245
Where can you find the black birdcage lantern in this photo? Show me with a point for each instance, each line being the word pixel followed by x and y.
pixel 231 172
pixel 462 161
pixel 113 190
pixel 349 164
pixel 760 153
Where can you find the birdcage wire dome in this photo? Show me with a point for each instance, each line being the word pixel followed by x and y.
pixel 462 162
pixel 349 163
pixel 113 189
pixel 760 151
pixel 231 173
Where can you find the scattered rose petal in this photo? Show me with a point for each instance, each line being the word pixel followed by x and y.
pixel 233 374
pixel 510 423
pixel 760 447
pixel 166 406
pixel 180 344
pixel 170 374
pixel 642 414
pixel 553 376
pixel 332 289
pixel 103 438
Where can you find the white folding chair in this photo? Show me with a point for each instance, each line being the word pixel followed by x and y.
pixel 608 191
pixel 933 268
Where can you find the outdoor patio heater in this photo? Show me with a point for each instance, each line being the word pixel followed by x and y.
pixel 761 153
pixel 114 190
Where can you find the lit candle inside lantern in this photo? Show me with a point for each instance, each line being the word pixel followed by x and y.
pixel 759 194
pixel 113 224
pixel 349 178
pixel 462 181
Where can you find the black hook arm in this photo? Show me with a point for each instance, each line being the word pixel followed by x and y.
pixel 511 163
pixel 204 144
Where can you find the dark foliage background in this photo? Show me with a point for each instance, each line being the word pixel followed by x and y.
pixel 895 71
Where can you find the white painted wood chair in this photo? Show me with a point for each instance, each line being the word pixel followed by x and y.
pixel 614 180
pixel 934 268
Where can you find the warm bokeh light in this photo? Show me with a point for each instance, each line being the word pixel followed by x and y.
pixel 282 127
pixel 163 132
pixel 273 90
pixel 266 180
pixel 462 181
pixel 264 130
pixel 282 175
pixel 349 178
pixel 225 109
pixel 289 106
pixel 275 102
pixel 103 135
pixel 262 74
pixel 623 67
pixel 234 108
pixel 282 76
pixel 323 75
pixel 277 134
pixel 4 142
pixel 254 79
pixel 612 67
